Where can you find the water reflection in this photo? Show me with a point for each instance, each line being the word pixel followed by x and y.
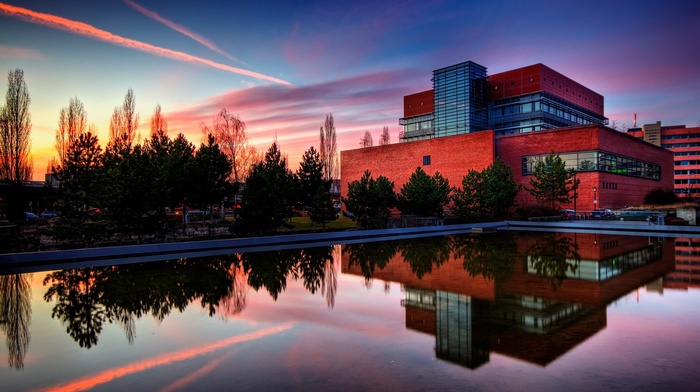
pixel 531 296
pixel 15 316
pixel 87 298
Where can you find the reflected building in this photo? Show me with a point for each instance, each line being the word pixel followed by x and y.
pixel 522 314
pixel 687 272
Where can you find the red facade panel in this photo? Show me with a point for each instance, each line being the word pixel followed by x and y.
pixel 539 77
pixel 418 103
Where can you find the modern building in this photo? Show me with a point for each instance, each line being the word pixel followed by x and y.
pixel 614 169
pixel 685 145
pixel 465 100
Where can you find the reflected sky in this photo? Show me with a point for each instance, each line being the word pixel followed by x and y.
pixel 360 317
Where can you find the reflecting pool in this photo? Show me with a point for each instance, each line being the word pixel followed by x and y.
pixel 501 311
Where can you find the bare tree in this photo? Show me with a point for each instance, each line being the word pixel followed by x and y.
pixel 158 124
pixel 123 124
pixel 329 150
pixel 366 140
pixel 15 129
pixel 384 139
pixel 230 133
pixel 72 122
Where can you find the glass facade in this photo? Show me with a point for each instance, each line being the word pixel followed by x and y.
pixel 535 112
pixel 460 99
pixel 602 161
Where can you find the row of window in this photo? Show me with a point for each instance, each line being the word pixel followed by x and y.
pixel 609 185
pixel 685 153
pixel 687 181
pixel 687 163
pixel 682 136
pixel 680 145
pixel 598 161
pixel 686 172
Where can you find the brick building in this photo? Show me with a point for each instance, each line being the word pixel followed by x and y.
pixel 685 145
pixel 468 119
pixel 614 169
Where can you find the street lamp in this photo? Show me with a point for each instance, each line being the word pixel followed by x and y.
pixel 595 200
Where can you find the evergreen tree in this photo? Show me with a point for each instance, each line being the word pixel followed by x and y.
pixel 424 195
pixel 370 200
pixel 488 194
pixel 322 210
pixel 310 177
pixel 268 195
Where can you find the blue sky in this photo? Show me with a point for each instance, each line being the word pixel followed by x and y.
pixel 282 66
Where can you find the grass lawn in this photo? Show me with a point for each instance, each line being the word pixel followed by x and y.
pixel 304 223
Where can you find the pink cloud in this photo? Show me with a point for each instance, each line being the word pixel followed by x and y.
pixel 13 52
pixel 293 115
pixel 85 29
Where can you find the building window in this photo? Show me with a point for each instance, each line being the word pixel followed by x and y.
pixel 426 160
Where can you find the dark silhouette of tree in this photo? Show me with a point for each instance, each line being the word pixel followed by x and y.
pixel 80 189
pixel 425 253
pixel 329 150
pixel 424 195
pixel 268 195
pixel 370 255
pixel 488 256
pixel 15 144
pixel 15 316
pixel 208 175
pixel 310 177
pixel 72 122
pixel 370 200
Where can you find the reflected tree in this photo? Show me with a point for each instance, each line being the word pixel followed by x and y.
pixel 15 316
pixel 425 253
pixel 489 256
pixel 78 304
pixel 371 255
pixel 553 256
pixel 237 298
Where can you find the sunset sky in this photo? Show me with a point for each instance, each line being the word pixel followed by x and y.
pixel 283 65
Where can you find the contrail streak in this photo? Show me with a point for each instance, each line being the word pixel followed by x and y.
pixel 93 32
pixel 108 375
pixel 180 29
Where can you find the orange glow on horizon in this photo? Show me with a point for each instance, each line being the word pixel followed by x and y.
pixel 108 375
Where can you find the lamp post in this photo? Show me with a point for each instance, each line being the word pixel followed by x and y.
pixel 595 200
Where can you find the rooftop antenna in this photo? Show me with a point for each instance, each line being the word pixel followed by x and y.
pixel 635 121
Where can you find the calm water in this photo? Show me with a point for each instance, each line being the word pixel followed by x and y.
pixel 492 312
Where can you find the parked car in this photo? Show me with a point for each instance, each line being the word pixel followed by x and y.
pixel 48 214
pixel 603 214
pixel 568 214
pixel 30 216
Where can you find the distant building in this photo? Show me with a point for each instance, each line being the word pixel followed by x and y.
pixel 685 145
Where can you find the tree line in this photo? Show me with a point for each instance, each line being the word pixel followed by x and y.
pixel 128 186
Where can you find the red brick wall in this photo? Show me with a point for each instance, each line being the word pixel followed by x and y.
pixel 418 103
pixel 452 156
pixel 627 190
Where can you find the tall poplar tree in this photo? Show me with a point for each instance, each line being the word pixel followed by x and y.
pixel 329 150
